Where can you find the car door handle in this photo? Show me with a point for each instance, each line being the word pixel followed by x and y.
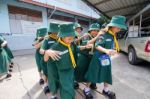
pixel 142 41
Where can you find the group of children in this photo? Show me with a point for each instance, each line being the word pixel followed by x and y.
pixel 6 57
pixel 67 58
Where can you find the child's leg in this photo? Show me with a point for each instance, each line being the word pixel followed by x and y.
pixel 87 91
pixel 106 89
pixel 66 79
pixel 41 78
pixel 53 83
pixel 107 92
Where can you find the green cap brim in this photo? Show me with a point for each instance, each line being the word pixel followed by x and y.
pixel 67 34
pixel 118 25
pixel 94 29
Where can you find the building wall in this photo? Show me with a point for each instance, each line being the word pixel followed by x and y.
pixel 24 41
pixel 18 41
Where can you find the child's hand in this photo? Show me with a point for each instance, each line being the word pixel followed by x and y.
pixel 111 52
pixel 37 46
pixel 53 54
pixel 3 45
pixel 88 46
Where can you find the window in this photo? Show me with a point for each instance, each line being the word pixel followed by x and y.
pixel 145 24
pixel 24 21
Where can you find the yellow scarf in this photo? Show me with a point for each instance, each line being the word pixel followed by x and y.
pixel 70 52
pixel 78 38
pixel 90 35
pixel 115 40
pixel 53 36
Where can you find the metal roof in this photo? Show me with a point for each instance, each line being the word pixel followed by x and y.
pixel 110 8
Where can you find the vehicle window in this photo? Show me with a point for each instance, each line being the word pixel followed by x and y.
pixel 145 24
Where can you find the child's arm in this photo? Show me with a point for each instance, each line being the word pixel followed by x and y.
pixel 52 54
pixel 88 46
pixel 95 38
pixel 107 51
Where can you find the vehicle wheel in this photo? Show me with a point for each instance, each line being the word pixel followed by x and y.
pixel 132 57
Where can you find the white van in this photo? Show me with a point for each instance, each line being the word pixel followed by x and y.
pixel 136 41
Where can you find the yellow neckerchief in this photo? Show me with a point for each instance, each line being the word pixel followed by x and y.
pixel 78 38
pixel 53 36
pixel 90 35
pixel 115 40
pixel 70 52
pixel 92 49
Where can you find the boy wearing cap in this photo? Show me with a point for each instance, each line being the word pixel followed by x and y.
pixel 47 43
pixel 106 45
pixel 37 44
pixel 63 69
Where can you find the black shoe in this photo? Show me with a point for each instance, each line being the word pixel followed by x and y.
pixel 109 94
pixel 46 90
pixel 8 76
pixel 93 86
pixel 88 95
pixel 11 66
pixel 10 70
pixel 41 82
pixel 76 85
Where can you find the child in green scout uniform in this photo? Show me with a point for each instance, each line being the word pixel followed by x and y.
pixel 47 43
pixel 3 58
pixel 101 63
pixel 84 58
pixel 39 38
pixel 78 29
pixel 62 69
pixel 9 53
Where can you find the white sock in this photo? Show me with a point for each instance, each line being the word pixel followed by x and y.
pixel 106 89
pixel 45 84
pixel 87 89
pixel 52 97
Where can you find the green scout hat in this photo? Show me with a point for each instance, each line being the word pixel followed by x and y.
pixel 118 21
pixel 53 28
pixel 94 26
pixel 66 30
pixel 77 25
pixel 41 32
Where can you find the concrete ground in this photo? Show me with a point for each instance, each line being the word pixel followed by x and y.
pixel 129 82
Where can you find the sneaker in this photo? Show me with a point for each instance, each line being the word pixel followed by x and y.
pixel 11 66
pixel 8 76
pixel 93 86
pixel 10 70
pixel 109 94
pixel 76 85
pixel 88 95
pixel 41 82
pixel 46 90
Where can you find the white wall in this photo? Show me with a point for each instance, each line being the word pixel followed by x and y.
pixel 18 41
pixel 4 18
pixel 72 5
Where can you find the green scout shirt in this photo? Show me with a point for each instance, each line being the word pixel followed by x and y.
pixel 47 43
